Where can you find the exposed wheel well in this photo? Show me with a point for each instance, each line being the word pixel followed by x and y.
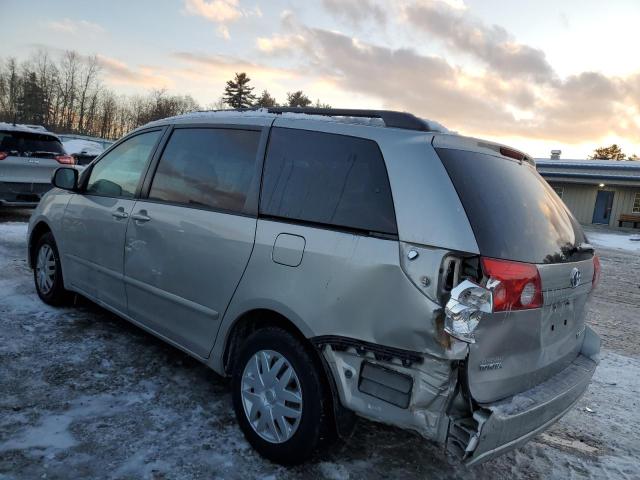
pixel 249 322
pixel 40 229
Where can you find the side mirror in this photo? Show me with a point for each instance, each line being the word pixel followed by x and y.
pixel 66 178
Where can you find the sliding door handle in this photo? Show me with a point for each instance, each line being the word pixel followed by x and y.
pixel 119 213
pixel 141 216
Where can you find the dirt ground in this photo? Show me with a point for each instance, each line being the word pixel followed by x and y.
pixel 84 394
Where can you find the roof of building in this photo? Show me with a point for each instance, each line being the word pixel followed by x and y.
pixel 622 172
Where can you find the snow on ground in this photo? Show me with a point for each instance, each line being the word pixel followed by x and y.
pixel 82 146
pixel 609 239
pixel 84 394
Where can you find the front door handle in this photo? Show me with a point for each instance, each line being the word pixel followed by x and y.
pixel 119 213
pixel 141 216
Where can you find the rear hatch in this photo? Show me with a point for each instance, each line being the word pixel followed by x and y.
pixel 516 216
pixel 30 157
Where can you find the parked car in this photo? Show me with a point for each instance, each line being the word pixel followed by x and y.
pixel 29 155
pixel 336 263
pixel 84 149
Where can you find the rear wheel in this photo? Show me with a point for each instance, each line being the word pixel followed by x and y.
pixel 279 397
pixel 47 272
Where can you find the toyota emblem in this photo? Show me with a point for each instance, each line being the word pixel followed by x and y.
pixel 575 277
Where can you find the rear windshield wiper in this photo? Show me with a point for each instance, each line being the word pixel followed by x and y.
pixel 43 152
pixel 585 247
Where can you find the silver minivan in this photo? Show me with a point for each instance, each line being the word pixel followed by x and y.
pixel 335 264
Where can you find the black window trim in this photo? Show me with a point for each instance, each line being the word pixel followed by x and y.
pixel 254 189
pixel 86 174
pixel 326 226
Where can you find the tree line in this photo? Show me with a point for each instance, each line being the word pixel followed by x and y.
pixel 67 94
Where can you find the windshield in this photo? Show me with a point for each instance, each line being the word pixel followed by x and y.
pixel 29 143
pixel 513 211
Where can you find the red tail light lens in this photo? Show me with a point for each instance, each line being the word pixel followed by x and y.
pixel 3 155
pixel 520 286
pixel 596 271
pixel 66 159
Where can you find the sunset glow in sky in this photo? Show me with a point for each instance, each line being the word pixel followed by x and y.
pixel 537 75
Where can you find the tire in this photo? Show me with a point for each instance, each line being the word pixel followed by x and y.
pixel 47 272
pixel 311 428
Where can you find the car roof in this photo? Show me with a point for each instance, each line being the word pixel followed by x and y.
pixel 265 117
pixel 17 127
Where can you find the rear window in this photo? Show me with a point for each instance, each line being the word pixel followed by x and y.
pixel 513 211
pixel 327 179
pixel 26 142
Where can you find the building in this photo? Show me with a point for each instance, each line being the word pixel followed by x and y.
pixel 596 191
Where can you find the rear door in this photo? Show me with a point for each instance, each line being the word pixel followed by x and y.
pixel 515 215
pixel 95 221
pixel 189 241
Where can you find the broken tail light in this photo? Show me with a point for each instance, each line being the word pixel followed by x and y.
pixel 3 155
pixel 515 285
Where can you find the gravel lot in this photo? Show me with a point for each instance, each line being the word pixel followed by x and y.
pixel 84 394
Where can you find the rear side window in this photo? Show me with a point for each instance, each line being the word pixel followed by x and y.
pixel 328 179
pixel 513 211
pixel 31 143
pixel 207 167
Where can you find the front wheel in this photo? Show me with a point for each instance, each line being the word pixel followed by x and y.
pixel 47 273
pixel 279 397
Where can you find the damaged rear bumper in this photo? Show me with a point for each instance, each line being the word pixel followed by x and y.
pixel 416 395
pixel 498 427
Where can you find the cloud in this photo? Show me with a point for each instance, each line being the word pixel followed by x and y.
pixel 533 103
pixel 221 12
pixel 493 45
pixel 356 11
pixel 75 27
pixel 223 66
pixel 119 72
pixel 218 11
pixel 280 44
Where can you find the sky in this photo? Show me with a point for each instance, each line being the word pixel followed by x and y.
pixel 538 76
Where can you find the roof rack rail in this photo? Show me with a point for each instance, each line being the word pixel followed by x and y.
pixel 390 118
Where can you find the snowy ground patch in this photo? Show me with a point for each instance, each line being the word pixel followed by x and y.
pixel 620 241
pixel 84 394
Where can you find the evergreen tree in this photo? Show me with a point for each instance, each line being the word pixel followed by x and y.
pixel 237 93
pixel 266 100
pixel 614 152
pixel 321 105
pixel 30 105
pixel 298 99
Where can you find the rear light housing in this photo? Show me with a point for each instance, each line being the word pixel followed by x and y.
pixel 65 159
pixel 3 155
pixel 596 272
pixel 515 285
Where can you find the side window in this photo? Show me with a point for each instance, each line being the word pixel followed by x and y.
pixel 207 167
pixel 327 179
pixel 117 174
